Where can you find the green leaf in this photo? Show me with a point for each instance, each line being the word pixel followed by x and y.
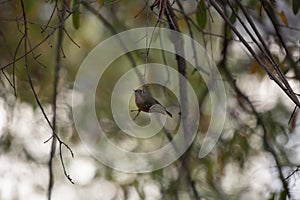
pixel 233 16
pixel 201 14
pixel 76 14
pixel 296 6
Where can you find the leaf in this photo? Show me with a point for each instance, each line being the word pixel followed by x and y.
pixel 292 121
pixel 296 6
pixel 76 14
pixel 283 18
pixel 201 14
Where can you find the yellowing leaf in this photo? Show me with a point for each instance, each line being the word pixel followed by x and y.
pixel 283 18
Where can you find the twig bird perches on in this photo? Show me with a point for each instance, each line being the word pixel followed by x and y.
pixel 147 103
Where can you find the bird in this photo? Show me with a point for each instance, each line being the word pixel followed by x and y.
pixel 147 103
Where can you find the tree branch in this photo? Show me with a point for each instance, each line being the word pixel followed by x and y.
pixel 181 64
pixel 290 93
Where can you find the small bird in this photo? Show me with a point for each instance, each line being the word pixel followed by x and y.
pixel 145 102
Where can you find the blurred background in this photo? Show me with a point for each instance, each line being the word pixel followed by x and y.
pixel 257 155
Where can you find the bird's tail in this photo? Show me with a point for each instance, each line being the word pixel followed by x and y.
pixel 168 113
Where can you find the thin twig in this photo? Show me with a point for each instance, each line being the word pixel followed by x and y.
pixel 35 57
pixel 5 44
pixel 69 36
pixel 164 61
pixel 14 64
pixel 28 22
pixel 26 52
pixel 295 171
pixel 50 18
pixel 54 107
pixel 35 47
pixel 198 67
pixel 7 78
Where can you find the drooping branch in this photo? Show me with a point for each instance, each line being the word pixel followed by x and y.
pixel 25 56
pixel 290 93
pixel 271 15
pixel 260 122
pixel 264 49
pixel 61 30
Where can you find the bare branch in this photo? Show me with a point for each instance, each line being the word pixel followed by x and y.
pixel 53 127
pixel 59 54
pixel 50 18
pixel 295 171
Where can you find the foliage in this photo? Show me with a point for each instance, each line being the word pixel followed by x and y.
pixel 254 44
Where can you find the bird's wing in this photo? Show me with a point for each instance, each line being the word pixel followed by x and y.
pixel 157 108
